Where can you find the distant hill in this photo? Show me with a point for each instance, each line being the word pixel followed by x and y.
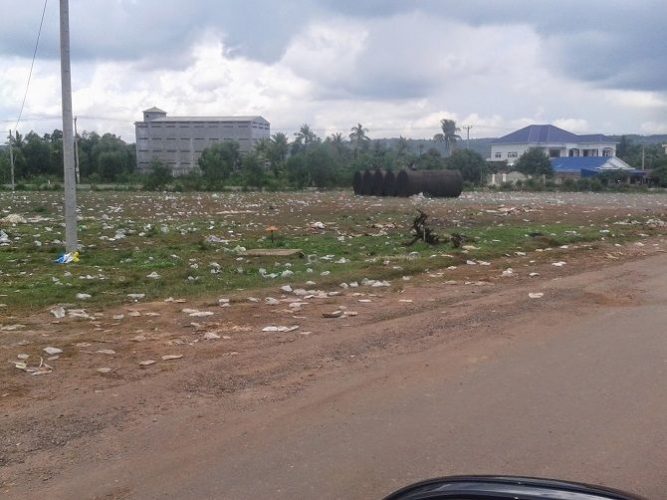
pixel 417 146
pixel 483 145
pixel 643 139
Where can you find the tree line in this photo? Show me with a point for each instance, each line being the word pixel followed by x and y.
pixel 281 162
pixel 308 160
pixel 105 158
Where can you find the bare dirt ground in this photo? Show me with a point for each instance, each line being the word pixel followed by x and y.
pixel 228 372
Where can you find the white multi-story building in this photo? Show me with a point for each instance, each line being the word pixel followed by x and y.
pixel 178 141
pixel 554 141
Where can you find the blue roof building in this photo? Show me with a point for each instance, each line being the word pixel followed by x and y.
pixel 554 141
pixel 591 166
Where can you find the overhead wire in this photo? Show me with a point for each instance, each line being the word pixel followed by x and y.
pixel 32 65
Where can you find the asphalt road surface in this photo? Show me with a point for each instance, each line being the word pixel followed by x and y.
pixel 570 394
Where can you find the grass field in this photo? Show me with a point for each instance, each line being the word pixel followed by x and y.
pixel 185 245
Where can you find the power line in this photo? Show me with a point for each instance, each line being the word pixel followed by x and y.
pixel 467 129
pixel 32 64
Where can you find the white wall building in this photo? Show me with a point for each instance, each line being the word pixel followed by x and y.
pixel 178 141
pixel 554 141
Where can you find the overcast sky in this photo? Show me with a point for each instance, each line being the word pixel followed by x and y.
pixel 397 67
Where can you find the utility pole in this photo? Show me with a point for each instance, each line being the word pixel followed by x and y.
pixel 467 128
pixel 11 159
pixel 643 157
pixel 76 153
pixel 71 243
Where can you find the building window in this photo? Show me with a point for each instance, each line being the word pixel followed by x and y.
pixel 512 154
pixel 498 155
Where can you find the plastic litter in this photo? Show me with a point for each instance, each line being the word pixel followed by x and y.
pixel 14 219
pixel 68 258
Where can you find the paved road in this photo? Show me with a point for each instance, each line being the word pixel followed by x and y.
pixel 580 397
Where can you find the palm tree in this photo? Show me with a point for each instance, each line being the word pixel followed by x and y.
pixel 337 142
pixel 402 147
pixel 305 135
pixel 17 140
pixel 336 138
pixel 358 135
pixel 280 146
pixel 448 135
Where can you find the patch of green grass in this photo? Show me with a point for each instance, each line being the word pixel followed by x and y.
pixel 108 271
pixel 128 236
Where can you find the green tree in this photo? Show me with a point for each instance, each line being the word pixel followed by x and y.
pixel 112 158
pixel 471 165
pixel 448 136
pixel 218 162
pixel 280 147
pixel 651 155
pixel 159 176
pixel 37 155
pixel 431 160
pixel 659 176
pixel 402 147
pixel 87 160
pixel 297 171
pixel 274 151
pixel 534 162
pixel 322 166
pixel 359 137
pixel 20 164
pixel 110 165
pixel 254 174
pixel 304 138
pixel 5 168
pixel 624 146
pixel 56 163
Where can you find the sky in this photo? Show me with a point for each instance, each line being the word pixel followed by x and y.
pixel 396 66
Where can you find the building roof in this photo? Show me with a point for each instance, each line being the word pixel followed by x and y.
pixel 548 134
pixel 593 163
pixel 154 110
pixel 210 119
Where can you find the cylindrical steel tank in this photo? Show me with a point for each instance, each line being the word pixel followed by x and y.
pixel 436 183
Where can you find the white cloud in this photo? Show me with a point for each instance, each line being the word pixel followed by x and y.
pixel 636 99
pixel 575 125
pixel 654 127
pixel 397 73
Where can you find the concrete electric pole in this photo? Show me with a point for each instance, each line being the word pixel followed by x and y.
pixel 71 243
pixel 11 159
pixel 467 128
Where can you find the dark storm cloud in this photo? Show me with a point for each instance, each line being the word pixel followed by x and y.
pixel 611 43
pixel 134 30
